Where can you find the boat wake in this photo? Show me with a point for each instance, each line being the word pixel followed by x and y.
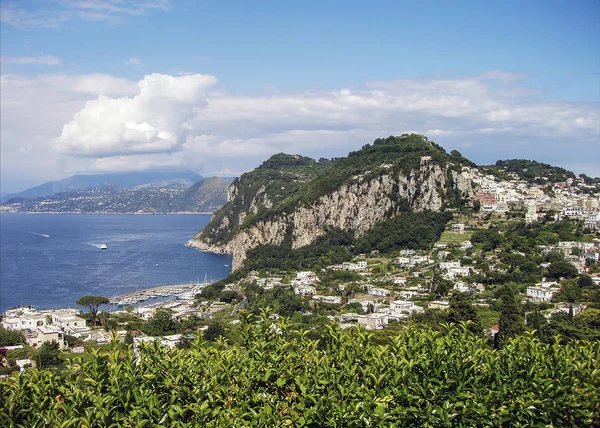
pixel 43 235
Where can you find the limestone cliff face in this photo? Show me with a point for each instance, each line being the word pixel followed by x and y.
pixel 356 206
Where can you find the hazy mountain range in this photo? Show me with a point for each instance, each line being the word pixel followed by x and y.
pixel 147 192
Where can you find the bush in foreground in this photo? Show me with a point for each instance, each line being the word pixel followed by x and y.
pixel 282 378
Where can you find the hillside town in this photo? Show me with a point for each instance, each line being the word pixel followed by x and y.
pixel 473 256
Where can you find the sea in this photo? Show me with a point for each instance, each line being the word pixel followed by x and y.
pixel 49 261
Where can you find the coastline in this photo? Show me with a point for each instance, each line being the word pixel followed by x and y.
pixel 106 212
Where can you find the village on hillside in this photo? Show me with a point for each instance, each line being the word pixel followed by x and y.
pixel 540 240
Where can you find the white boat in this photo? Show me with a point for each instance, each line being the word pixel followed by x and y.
pixel 103 246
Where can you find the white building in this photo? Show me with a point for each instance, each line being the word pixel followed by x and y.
pixel 399 307
pixel 449 265
pixel 67 320
pixel 332 300
pixel 23 318
pixel 439 304
pixel 304 290
pixel 399 280
pixel 45 333
pixel 543 292
pixel 379 292
pixel 373 321
pixel 458 227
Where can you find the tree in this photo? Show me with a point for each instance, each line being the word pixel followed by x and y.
pixel 10 337
pixel 214 331
pixel 93 303
pixel 161 323
pixel 537 321
pixel 461 309
pixel 560 269
pixel 48 354
pixel 511 317
pixel 183 343
pixel 228 296
pixel 585 281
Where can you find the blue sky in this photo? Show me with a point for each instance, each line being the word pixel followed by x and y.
pixel 495 80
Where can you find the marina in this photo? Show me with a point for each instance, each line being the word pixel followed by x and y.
pixel 181 291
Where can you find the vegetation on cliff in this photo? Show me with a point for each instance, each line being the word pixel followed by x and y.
pixel 417 231
pixel 285 182
pixel 531 171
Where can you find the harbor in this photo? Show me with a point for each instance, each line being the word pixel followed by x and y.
pixel 181 291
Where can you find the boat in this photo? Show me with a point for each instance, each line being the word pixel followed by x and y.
pixel 103 246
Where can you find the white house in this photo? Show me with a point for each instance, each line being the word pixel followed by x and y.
pixel 365 304
pixel 463 287
pixel 408 294
pixel 458 227
pixel 304 290
pixel 67 320
pixel 45 333
pixel 333 300
pixel 458 271
pixel 449 265
pixel 398 307
pixel 543 292
pixel 379 292
pixel 439 304
pixel 22 320
pixel 399 280
pixel 373 321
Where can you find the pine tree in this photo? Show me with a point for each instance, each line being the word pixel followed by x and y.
pixel 462 309
pixel 512 322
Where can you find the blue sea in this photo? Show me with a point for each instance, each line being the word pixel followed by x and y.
pixel 50 260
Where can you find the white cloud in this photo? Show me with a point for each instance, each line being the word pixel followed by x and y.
pixel 102 123
pixel 153 121
pixel 63 11
pixel 44 60
pixel 133 61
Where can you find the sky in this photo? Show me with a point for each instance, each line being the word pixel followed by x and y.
pixel 91 86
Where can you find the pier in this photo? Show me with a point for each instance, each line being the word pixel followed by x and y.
pixel 186 291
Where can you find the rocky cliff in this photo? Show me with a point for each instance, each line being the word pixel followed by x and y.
pixel 382 190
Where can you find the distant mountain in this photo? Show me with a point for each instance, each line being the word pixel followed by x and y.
pixel 154 178
pixel 205 196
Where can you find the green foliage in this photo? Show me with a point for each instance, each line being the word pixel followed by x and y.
pixel 419 377
pixel 288 181
pixel 228 296
pixel 461 309
pixel 48 355
pixel 214 331
pixel 161 324
pixel 408 230
pixel 93 303
pixel 559 269
pixel 282 300
pixel 511 322
pixel 11 337
pixel 530 171
pixel 212 291
pixel 489 238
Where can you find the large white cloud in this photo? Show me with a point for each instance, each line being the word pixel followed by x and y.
pixel 102 123
pixel 153 121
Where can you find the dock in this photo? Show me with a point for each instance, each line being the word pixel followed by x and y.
pixel 183 290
